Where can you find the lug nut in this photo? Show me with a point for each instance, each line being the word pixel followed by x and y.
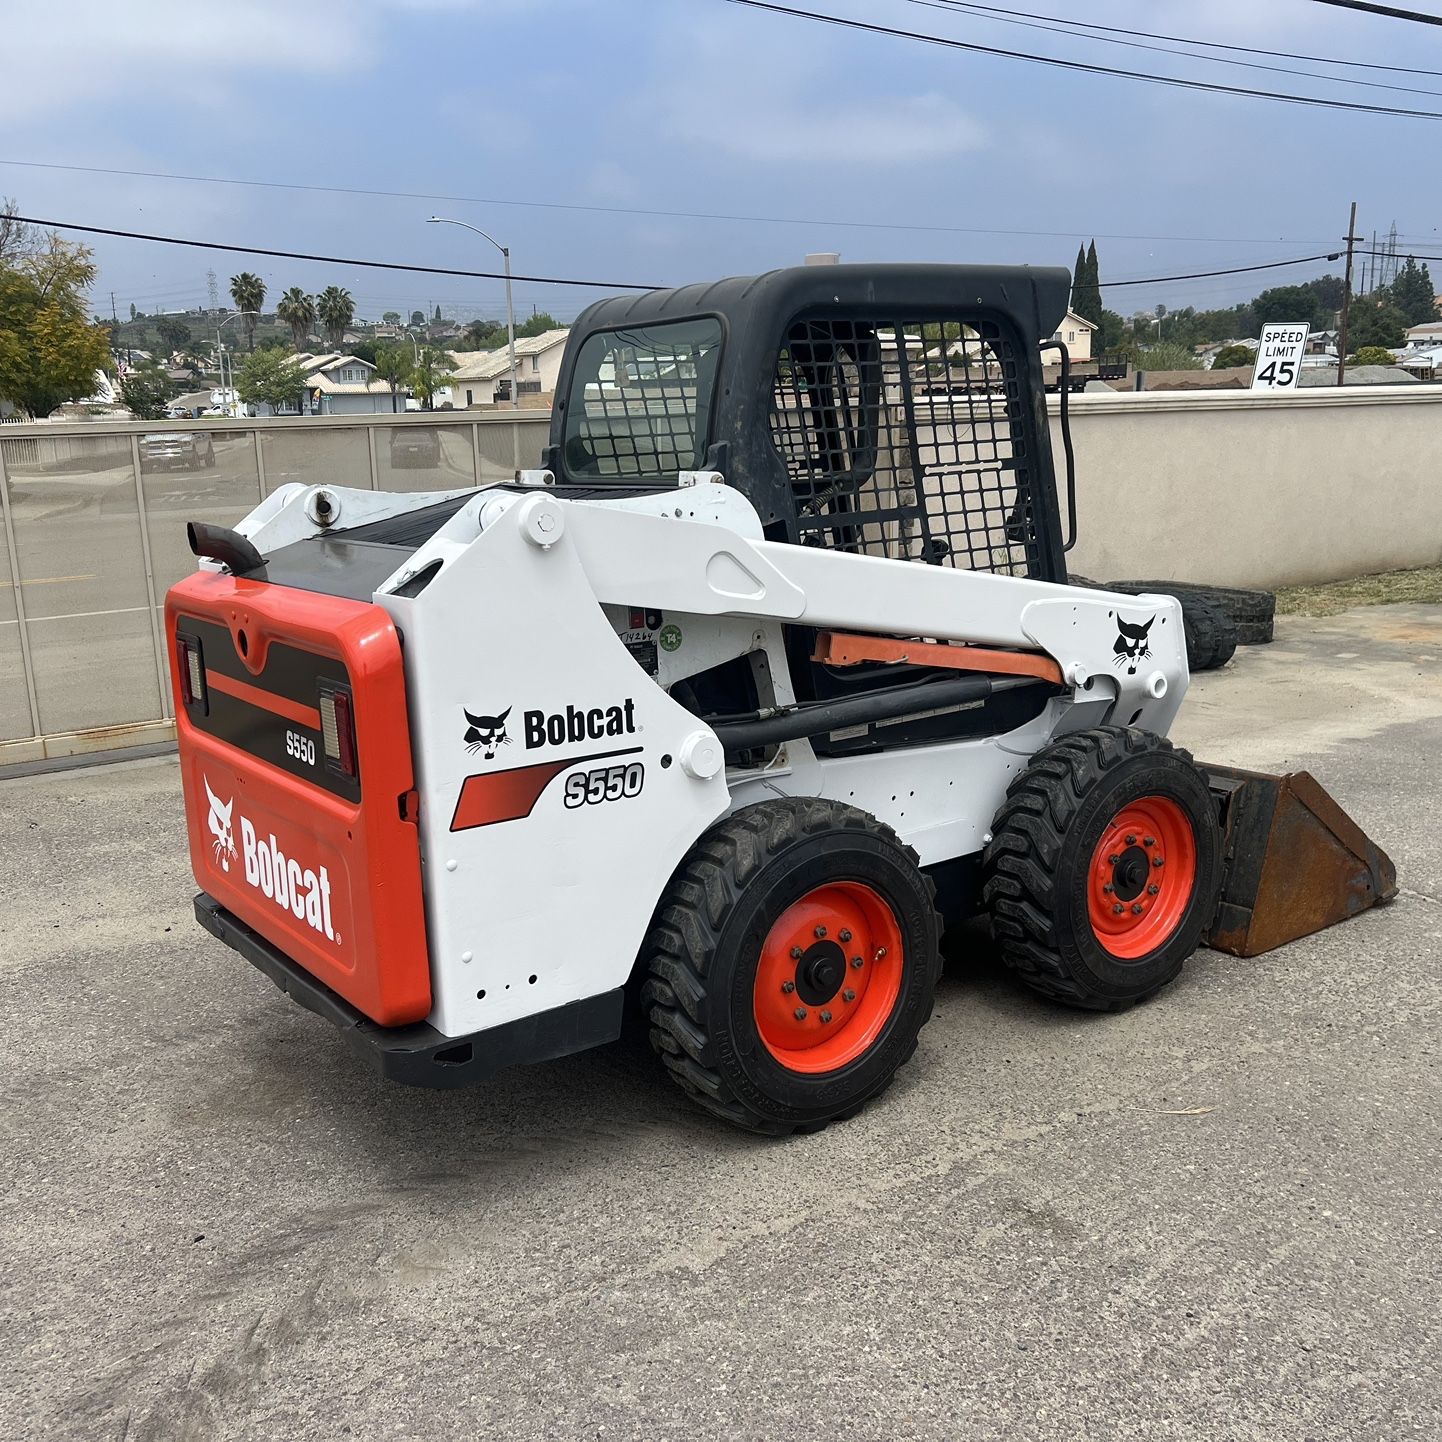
pixel 825 1016
pixel 1153 889
pixel 1112 860
pixel 800 1013
pixel 1131 841
pixel 797 953
pixel 1136 908
pixel 856 962
pixel 1156 861
pixel 1118 908
pixel 1109 888
pixel 848 995
pixel 820 932
pixel 844 935
pixel 788 987
pixel 1149 840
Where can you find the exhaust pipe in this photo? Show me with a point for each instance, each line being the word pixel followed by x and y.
pixel 217 543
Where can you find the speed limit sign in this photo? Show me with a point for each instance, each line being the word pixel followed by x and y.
pixel 1279 357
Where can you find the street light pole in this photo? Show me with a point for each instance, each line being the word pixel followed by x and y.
pixel 510 309
pixel 220 355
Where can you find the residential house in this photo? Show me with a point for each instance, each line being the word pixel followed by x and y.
pixel 1427 334
pixel 483 378
pixel 339 385
pixel 1076 335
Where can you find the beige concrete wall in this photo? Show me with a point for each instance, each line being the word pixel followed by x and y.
pixel 1256 490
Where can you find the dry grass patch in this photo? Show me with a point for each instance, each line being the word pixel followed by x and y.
pixel 1385 588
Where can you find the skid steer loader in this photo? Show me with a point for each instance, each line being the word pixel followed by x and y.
pixel 769 672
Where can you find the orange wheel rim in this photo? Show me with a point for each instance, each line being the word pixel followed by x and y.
pixel 829 977
pixel 1141 877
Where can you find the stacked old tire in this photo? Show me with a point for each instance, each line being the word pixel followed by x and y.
pixel 1217 619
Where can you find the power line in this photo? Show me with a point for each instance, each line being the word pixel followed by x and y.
pixel 1206 274
pixel 1067 28
pixel 1177 82
pixel 819 223
pixel 330 259
pixel 550 280
pixel 1208 44
pixel 1391 11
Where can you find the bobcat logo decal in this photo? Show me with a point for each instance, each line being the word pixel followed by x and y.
pixel 220 828
pixel 1131 645
pixel 486 733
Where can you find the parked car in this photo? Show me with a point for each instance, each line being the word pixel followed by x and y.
pixel 176 450
pixel 418 446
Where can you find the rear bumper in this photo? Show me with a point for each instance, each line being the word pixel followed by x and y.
pixel 419 1055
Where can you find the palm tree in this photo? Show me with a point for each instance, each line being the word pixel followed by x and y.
pixel 430 372
pixel 248 293
pixel 336 310
pixel 393 366
pixel 297 310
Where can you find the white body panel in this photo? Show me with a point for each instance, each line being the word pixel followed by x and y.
pixel 527 615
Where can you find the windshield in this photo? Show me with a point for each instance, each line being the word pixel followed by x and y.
pixel 640 401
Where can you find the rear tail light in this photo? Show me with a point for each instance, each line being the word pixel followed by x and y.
pixel 192 670
pixel 337 726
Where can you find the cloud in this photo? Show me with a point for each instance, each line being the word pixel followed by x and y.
pixel 879 130
pixel 185 54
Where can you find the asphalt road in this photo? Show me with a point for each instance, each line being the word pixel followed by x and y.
pixel 1214 1217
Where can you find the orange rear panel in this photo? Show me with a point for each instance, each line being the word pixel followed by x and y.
pixel 324 866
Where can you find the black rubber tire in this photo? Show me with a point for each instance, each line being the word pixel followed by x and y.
pixel 1034 868
pixel 1211 636
pixel 1253 613
pixel 701 954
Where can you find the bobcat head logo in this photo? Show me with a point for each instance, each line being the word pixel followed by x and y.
pixel 224 843
pixel 486 733
pixel 1131 645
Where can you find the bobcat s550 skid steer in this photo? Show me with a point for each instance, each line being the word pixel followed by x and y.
pixel 767 673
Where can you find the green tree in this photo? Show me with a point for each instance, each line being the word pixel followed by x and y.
pixel 1086 286
pixel 49 348
pixel 1292 303
pixel 436 318
pixel 1234 355
pixel 1168 356
pixel 537 324
pixel 392 317
pixel 365 350
pixel 17 239
pixel 270 378
pixel 393 366
pixel 297 310
pixel 430 372
pixel 1111 333
pixel 248 293
pixel 484 335
pixel 1372 324
pixel 1372 355
pixel 336 310
pixel 418 318
pixel 1412 294
pixel 146 391
pixel 1328 290
pixel 174 334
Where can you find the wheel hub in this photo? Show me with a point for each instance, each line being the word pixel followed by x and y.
pixel 1141 878
pixel 828 977
pixel 820 972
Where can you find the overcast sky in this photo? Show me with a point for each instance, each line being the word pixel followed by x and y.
pixel 563 120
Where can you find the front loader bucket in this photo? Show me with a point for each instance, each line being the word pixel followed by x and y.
pixel 1294 861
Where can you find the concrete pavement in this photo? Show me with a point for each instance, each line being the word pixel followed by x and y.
pixel 1215 1216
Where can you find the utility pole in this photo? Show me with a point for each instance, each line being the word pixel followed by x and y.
pixel 1346 300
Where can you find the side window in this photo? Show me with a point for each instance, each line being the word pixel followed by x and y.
pixel 905 437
